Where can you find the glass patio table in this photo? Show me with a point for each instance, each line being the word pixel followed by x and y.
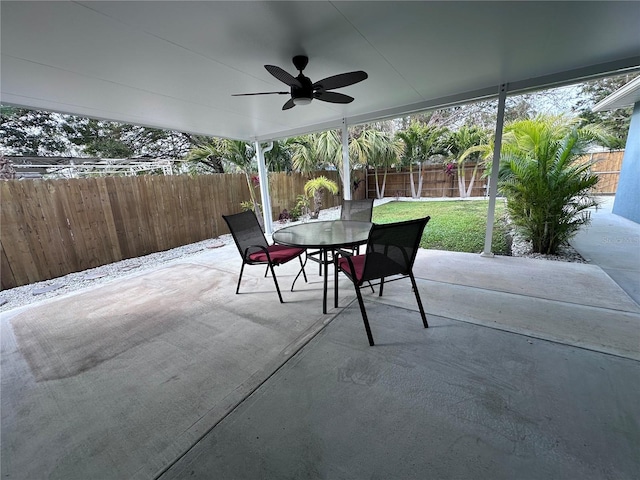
pixel 327 237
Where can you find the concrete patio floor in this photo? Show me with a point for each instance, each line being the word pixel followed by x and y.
pixel 529 369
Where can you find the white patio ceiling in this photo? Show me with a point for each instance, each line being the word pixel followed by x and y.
pixel 174 65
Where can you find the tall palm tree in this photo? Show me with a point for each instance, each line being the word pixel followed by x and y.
pixel 304 155
pixel 377 149
pixel 242 154
pixel 420 142
pixel 546 184
pixel 461 145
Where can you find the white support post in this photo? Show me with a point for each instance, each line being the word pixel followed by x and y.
pixel 495 168
pixel 264 188
pixel 346 166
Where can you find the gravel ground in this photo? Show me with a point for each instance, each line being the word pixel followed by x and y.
pixel 35 292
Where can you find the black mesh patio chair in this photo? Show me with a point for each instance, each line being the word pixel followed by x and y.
pixel 391 251
pixel 358 210
pixel 255 250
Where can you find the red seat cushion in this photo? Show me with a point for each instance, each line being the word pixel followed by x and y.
pixel 358 266
pixel 279 254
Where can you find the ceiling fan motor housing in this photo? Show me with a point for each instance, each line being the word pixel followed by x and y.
pixel 305 91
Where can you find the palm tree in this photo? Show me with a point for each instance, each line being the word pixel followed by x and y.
pixel 462 145
pixel 278 159
pixel 546 184
pixel 377 149
pixel 210 153
pixel 241 154
pixel 305 153
pixel 315 188
pixel 317 151
pixel 420 142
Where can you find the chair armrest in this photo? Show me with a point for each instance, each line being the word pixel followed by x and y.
pixel 261 247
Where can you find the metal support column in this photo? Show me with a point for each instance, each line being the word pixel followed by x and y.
pixel 346 167
pixel 264 187
pixel 495 168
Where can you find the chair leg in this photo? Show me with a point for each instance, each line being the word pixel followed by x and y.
pixel 240 278
pixel 364 316
pixel 275 280
pixel 415 289
pixel 381 286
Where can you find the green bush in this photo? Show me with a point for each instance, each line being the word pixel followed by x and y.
pixel 546 186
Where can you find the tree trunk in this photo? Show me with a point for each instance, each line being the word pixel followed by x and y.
pixel 413 187
pixel 473 179
pixel 384 183
pixel 461 181
pixel 420 180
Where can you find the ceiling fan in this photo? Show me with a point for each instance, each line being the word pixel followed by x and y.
pixel 303 90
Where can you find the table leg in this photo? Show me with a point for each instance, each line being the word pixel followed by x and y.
pixel 335 278
pixel 324 292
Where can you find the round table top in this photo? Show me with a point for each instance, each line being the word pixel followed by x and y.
pixel 325 234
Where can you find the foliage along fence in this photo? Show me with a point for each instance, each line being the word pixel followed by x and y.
pixel 54 227
pixel 437 183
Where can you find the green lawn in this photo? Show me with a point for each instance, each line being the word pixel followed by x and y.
pixel 457 225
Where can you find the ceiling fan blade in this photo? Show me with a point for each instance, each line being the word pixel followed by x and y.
pixel 259 93
pixel 332 97
pixel 289 104
pixel 283 76
pixel 341 80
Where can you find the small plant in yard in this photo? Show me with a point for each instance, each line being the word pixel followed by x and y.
pixel 301 208
pixel 315 188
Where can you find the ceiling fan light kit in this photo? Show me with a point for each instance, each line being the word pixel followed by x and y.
pixel 303 91
pixel 302 101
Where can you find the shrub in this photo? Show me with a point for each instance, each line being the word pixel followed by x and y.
pixel 546 186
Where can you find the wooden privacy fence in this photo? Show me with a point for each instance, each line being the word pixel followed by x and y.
pixel 437 183
pixel 50 228
pixel 54 227
pixel 607 167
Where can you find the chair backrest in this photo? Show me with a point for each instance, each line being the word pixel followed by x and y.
pixel 360 210
pixel 246 232
pixel 392 248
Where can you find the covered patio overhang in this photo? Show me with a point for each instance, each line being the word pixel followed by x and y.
pixel 525 375
pixel 175 65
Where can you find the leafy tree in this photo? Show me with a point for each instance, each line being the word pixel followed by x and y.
pixel 546 186
pixel 41 133
pixel 32 133
pixel 616 121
